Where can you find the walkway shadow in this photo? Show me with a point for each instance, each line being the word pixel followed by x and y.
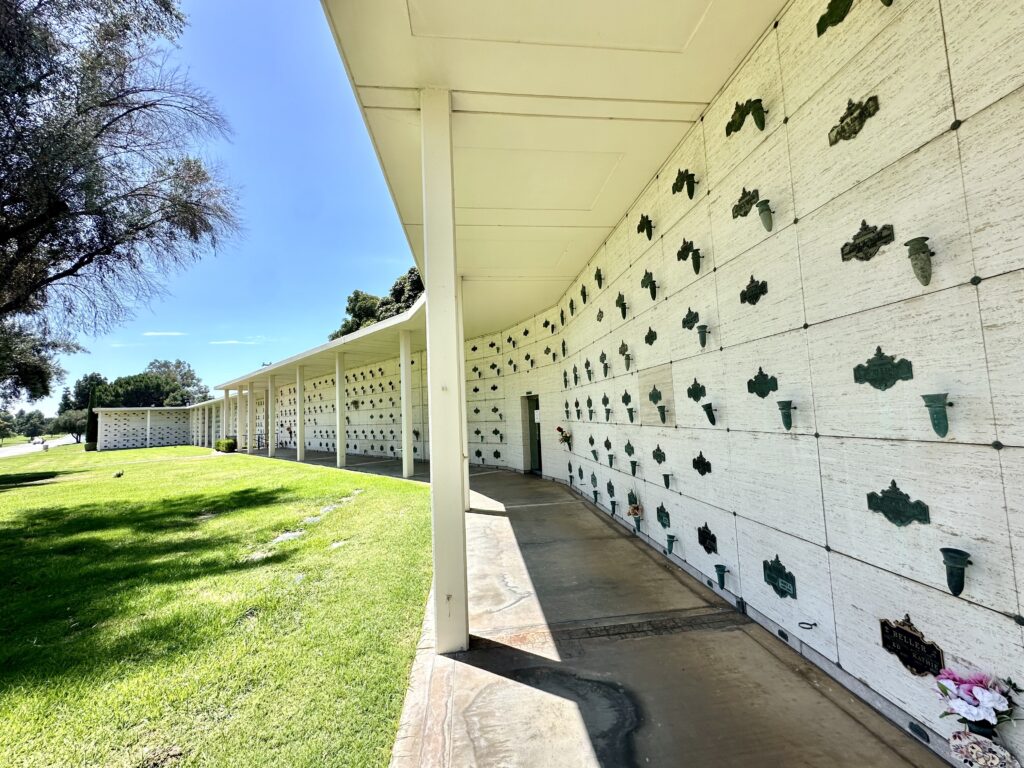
pixel 67 573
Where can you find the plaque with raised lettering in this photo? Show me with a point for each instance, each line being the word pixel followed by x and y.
pixel 906 642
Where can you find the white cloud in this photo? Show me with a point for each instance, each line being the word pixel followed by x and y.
pixel 164 333
pixel 248 342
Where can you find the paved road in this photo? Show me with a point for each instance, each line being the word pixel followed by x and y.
pixel 18 450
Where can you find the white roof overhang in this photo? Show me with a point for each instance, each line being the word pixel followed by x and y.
pixel 562 112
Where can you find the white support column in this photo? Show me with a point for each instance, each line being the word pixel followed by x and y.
pixel 238 420
pixel 300 416
pixel 224 415
pixel 444 341
pixel 271 417
pixel 405 390
pixel 149 425
pixel 250 420
pixel 339 408
pixel 202 426
pixel 462 399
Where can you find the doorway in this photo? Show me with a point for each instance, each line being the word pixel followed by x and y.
pixel 532 405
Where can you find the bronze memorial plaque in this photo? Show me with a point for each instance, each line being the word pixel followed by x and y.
pixel 906 642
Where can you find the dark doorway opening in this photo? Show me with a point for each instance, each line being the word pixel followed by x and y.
pixel 533 432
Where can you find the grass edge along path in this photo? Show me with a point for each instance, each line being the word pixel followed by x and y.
pixel 156 619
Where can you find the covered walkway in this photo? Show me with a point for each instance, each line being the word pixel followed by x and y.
pixel 589 648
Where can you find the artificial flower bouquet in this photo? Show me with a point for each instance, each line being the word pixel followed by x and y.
pixel 564 437
pixel 979 699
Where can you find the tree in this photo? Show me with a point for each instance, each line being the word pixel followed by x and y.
pixel 28 360
pixel 365 309
pixel 93 385
pixel 31 424
pixel 191 389
pixel 73 422
pixel 142 390
pixel 101 191
pixel 6 426
pixel 362 311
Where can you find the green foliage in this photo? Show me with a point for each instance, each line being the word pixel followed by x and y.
pixel 226 445
pixel 365 309
pixel 6 426
pixel 30 423
pixel 101 191
pixel 72 423
pixel 162 383
pixel 190 388
pixel 28 355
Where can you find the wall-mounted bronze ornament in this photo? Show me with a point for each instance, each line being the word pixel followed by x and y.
pixel 779 579
pixel 836 12
pixel 620 302
pixel 752 107
pixel 764 212
pixel 646 226
pixel 743 206
pixel 626 400
pixel 686 251
pixel 867 242
pixel 696 391
pixel 762 384
pixel 709 411
pixel 937 405
pixel 753 292
pixel 691 319
pixel 882 371
pixel 786 409
pixel 664 520
pixel 684 180
pixel 583 293
pixel 647 281
pixel 575 375
pixel 624 351
pixel 920 258
pixel 702 335
pixel 588 369
pixel 561 316
pixel 702 465
pixel 564 348
pixel 896 507
pixel 667 479
pixel 599 278
pixel 572 307
pixel 650 337
pixel 906 642
pixel 956 562
pixel 600 315
pixel 853 120
pixel 707 540
pixel 658 455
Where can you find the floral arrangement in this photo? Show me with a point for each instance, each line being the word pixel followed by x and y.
pixel 564 437
pixel 636 509
pixel 980 699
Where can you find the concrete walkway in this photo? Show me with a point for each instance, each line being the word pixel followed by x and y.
pixel 589 649
pixel 22 448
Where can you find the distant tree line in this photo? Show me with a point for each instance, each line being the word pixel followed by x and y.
pixel 364 309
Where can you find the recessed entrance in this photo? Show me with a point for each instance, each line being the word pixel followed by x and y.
pixel 531 419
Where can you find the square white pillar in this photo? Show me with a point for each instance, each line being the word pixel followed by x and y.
pixel 462 399
pixel 238 420
pixel 271 417
pixel 300 415
pixel 339 408
pixel 444 343
pixel 405 391
pixel 224 415
pixel 149 425
pixel 250 420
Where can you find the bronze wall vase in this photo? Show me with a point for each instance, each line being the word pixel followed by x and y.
pixel 686 250
pixel 867 242
pixel 751 107
pixel 646 226
pixel 853 120
pixel 620 302
pixel 684 180
pixel 647 281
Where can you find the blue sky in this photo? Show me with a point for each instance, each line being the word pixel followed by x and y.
pixel 318 220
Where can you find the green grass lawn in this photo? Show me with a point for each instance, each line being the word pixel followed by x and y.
pixel 148 620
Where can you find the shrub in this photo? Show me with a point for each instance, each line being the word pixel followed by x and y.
pixel 226 445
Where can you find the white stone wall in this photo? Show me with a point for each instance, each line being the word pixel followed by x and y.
pixel 127 428
pixel 802 494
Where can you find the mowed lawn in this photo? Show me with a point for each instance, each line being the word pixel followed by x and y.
pixel 150 620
